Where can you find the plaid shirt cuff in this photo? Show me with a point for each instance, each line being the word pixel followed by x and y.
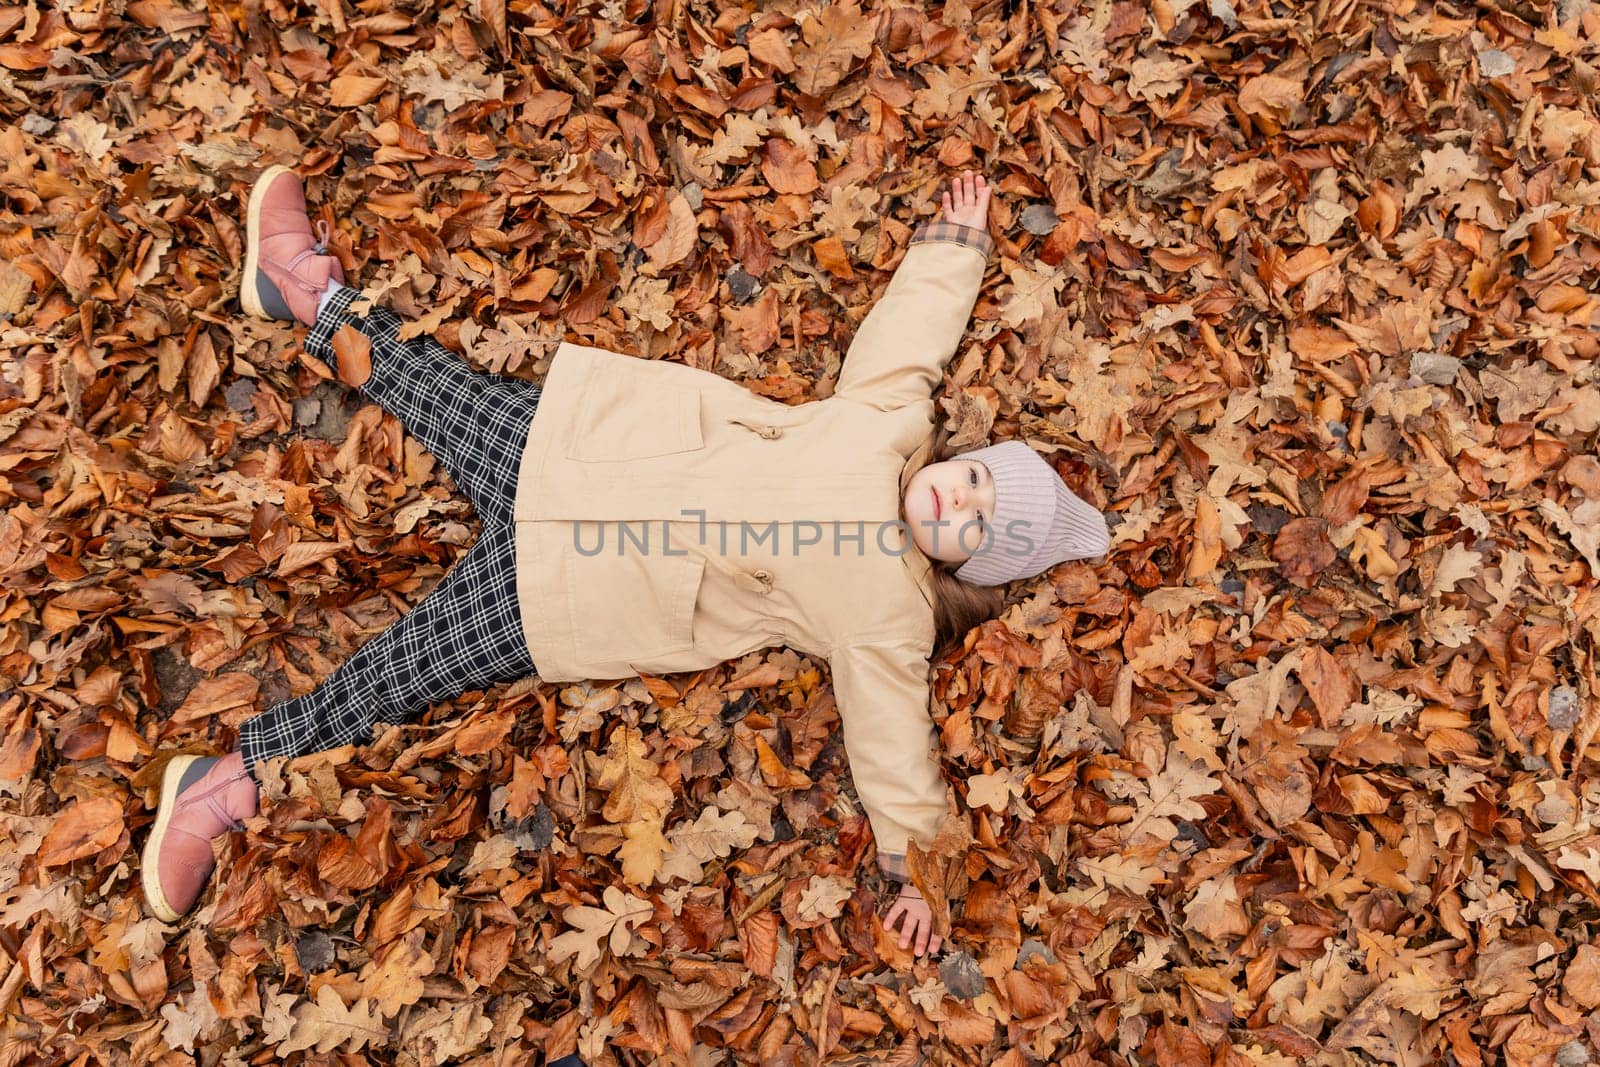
pixel 970 236
pixel 893 865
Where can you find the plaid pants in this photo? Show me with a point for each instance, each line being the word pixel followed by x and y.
pixel 467 631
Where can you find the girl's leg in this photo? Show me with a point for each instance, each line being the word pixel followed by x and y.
pixel 474 423
pixel 466 633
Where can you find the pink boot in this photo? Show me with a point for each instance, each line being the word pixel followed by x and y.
pixel 286 270
pixel 201 798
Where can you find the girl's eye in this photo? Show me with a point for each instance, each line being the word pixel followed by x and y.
pixel 974 475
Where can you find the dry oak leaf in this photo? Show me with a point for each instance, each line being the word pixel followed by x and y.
pixel 713 835
pixel 145 940
pixel 1395 329
pixel 847 207
pixel 1122 872
pixel 327 1024
pixel 594 928
pixel 1458 564
pixel 446 1032
pixel 1421 988
pixel 470 83
pixel 950 92
pixel 648 300
pixel 277 1017
pixel 637 791
pixel 195 1020
pixel 824 897
pixel 1444 171
pixel 1170 794
pixel 84 828
pixel 223 106
pixel 62 900
pixel 1215 911
pixel 643 851
pixel 1165 650
pixel 1154 76
pixel 1585 861
pixel 1030 293
pixel 1318 991
pixel 1324 213
pixel 1084 48
pixel 503 350
pixel 741 135
pixel 491 854
pixel 396 982
pixel 834 39
pixel 992 791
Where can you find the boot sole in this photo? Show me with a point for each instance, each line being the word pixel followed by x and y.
pixel 150 875
pixel 249 284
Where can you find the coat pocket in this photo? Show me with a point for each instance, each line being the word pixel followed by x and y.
pixel 623 418
pixel 631 610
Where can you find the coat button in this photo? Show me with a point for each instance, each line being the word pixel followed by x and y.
pixel 771 432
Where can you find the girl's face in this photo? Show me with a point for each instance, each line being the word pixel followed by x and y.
pixel 947 505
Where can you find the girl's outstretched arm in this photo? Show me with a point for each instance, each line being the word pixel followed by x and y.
pixel 900 351
pixel 881 688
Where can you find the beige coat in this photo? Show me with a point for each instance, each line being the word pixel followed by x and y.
pixel 669 519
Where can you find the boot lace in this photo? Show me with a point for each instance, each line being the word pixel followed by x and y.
pixel 223 814
pixel 318 249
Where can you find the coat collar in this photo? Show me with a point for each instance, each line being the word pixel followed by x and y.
pixel 916 563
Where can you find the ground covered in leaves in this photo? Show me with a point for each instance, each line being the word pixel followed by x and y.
pixel 1303 296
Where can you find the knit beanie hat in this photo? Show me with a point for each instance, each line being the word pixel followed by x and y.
pixel 1037 522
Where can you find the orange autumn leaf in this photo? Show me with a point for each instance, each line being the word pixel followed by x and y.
pixel 353 90
pixel 82 829
pixel 786 168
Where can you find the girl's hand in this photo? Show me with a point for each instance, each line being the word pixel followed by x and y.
pixel 966 202
pixel 916 920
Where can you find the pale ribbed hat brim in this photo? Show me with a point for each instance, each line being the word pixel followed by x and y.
pixel 1037 522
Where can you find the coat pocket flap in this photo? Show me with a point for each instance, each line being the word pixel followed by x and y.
pixel 622 419
pixel 634 608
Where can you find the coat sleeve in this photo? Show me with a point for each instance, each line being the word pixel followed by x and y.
pixel 882 693
pixel 898 355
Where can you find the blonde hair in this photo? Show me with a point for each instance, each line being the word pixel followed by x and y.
pixel 958 606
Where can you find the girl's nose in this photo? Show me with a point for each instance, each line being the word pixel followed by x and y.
pixel 958 497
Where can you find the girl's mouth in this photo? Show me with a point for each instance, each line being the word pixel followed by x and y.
pixel 937 510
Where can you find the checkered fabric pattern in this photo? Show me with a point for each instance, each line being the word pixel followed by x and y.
pixel 467 632
pixel 955 233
